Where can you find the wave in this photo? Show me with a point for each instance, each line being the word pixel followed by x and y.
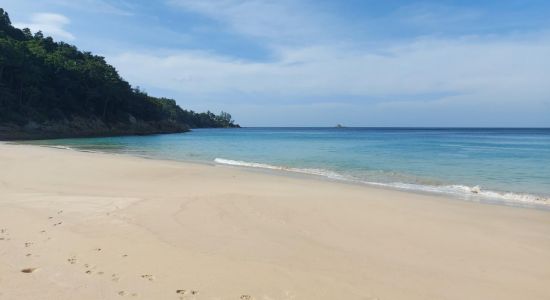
pixel 318 172
pixel 71 148
pixel 60 147
pixel 462 191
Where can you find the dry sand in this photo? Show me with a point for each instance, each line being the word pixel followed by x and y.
pixel 96 226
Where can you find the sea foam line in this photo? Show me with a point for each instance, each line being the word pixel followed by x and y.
pixel 61 147
pixel 318 172
pixel 457 190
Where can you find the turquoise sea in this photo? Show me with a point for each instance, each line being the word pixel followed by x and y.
pixel 510 166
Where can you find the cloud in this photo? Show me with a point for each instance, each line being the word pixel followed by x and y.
pixel 424 66
pixel 472 76
pixel 322 64
pixel 430 15
pixel 50 24
pixel 117 7
pixel 113 7
pixel 281 21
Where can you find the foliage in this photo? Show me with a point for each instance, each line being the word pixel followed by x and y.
pixel 46 81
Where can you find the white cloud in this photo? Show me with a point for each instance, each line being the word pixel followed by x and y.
pixel 453 78
pixel 435 15
pixel 50 24
pixel 122 7
pixel 511 67
pixel 282 21
pixel 316 70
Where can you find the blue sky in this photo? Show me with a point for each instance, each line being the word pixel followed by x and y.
pixel 319 63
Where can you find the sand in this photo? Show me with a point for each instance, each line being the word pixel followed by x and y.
pixel 77 225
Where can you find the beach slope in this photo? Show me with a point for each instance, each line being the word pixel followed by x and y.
pixel 77 225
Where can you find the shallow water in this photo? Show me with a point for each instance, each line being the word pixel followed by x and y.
pixel 510 165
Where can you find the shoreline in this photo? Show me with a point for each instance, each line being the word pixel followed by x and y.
pixel 518 199
pixel 102 226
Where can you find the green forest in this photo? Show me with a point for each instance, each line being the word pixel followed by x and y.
pixel 50 88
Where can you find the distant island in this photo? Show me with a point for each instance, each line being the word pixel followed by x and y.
pixel 51 89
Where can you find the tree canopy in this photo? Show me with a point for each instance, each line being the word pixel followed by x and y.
pixel 46 81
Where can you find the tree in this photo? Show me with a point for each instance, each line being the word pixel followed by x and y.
pixel 4 18
pixel 43 81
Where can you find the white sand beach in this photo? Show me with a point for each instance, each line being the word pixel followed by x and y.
pixel 100 226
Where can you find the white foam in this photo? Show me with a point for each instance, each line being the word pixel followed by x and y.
pixel 457 190
pixel 73 149
pixel 468 191
pixel 318 172
pixel 61 147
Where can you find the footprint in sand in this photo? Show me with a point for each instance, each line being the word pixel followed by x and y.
pixel 59 212
pixel 57 224
pixel 184 292
pixel 28 254
pixel 246 297
pixel 97 249
pixel 5 233
pixel 72 260
pixel 148 277
pixel 115 277
pixel 29 270
pixel 28 244
pixel 124 293
pixel 90 269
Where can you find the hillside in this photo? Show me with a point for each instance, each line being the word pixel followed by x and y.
pixel 51 89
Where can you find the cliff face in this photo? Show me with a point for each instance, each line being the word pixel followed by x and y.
pixel 80 127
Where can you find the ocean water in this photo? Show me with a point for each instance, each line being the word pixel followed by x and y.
pixel 510 166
